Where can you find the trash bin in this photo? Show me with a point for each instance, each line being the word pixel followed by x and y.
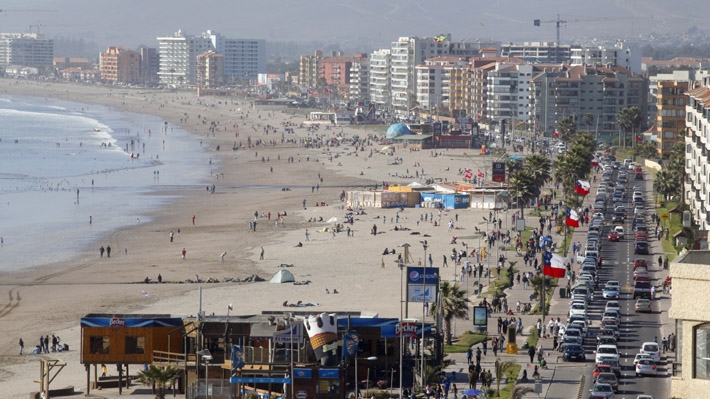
pixel 563 293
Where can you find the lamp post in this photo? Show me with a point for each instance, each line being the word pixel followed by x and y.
pixel 401 336
pixel 425 245
pixel 206 357
pixel 357 383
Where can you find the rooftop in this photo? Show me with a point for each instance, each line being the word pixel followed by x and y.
pixel 695 257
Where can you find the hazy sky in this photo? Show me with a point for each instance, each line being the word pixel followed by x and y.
pixel 129 23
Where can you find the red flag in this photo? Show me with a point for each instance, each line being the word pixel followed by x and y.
pixel 595 161
pixel 481 174
pixel 468 174
pixel 572 219
pixel 555 133
pixel 556 268
pixel 582 187
pixel 639 138
pixel 479 116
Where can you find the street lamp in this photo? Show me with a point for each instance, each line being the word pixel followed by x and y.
pixel 206 357
pixel 401 336
pixel 357 383
pixel 424 302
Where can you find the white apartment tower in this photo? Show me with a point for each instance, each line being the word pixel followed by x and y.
pixel 434 82
pixel 508 92
pixel 406 53
pixel 380 77
pixel 26 49
pixel 623 54
pixel 359 79
pixel 697 146
pixel 243 58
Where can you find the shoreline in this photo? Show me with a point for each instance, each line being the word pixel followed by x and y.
pixel 51 299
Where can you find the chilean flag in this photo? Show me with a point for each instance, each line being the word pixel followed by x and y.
pixel 555 266
pixel 572 219
pixel 555 133
pixel 468 174
pixel 481 174
pixel 595 161
pixel 582 187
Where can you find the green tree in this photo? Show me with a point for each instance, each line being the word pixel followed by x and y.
pixel 539 168
pixel 566 128
pixel 629 119
pixel 667 184
pixel 500 369
pixel 161 378
pixel 646 150
pixel 521 185
pixel 432 374
pixel 454 306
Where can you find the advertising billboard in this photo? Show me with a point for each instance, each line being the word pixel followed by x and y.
pixel 421 287
pixel 499 172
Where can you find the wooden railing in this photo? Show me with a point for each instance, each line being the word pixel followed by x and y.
pixel 173 358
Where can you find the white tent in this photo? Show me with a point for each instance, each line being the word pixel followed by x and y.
pixel 283 276
pixel 415 185
pixel 333 220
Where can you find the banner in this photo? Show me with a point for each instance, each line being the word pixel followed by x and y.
pixel 499 172
pixel 237 357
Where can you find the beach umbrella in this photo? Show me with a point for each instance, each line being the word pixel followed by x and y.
pixel 472 392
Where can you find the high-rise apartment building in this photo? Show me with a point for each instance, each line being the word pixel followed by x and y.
pixel 359 88
pixel 119 65
pixel 26 49
pixel 210 70
pixel 308 70
pixel 380 77
pixel 150 62
pixel 434 83
pixel 697 147
pixel 508 89
pixel 537 52
pixel 622 53
pixel 575 91
pixel 670 118
pixel 243 58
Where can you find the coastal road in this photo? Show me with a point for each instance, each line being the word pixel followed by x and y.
pixel 635 328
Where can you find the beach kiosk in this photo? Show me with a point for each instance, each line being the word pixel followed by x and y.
pixel 120 340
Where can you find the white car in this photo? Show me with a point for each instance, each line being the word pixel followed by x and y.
pixel 646 367
pixel 620 231
pixel 641 356
pixel 652 349
pixel 612 305
pixel 607 352
pixel 578 308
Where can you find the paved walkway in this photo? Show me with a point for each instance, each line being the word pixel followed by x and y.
pixel 560 379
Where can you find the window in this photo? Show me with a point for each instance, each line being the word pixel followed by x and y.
pixel 135 345
pixel 702 351
pixel 99 344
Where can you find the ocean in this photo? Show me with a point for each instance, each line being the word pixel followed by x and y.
pixel 64 163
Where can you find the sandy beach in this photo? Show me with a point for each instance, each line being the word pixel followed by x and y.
pixel 52 298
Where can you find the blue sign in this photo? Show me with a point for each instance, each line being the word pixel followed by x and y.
pixel 302 373
pixel 328 373
pixel 415 275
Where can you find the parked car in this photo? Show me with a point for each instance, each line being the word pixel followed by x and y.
pixel 574 352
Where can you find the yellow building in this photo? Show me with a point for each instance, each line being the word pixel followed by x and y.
pixel 691 367
pixel 120 65
pixel 671 114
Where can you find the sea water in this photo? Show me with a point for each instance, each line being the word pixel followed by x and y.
pixel 64 163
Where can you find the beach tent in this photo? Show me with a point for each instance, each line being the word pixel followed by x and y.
pixel 283 276
pixel 333 220
pixel 396 130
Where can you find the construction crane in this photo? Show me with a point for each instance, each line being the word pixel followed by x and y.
pixel 39 25
pixel 563 22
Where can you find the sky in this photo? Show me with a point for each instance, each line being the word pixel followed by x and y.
pixel 129 23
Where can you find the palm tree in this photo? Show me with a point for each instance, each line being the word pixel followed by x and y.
pixel 501 368
pixel 454 305
pixel 520 391
pixel 566 128
pixel 629 119
pixel 522 184
pixel 539 168
pixel 161 378
pixel 667 184
pixel 587 119
pixel 432 374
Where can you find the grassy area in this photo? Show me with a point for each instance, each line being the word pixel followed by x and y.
pixel 674 224
pixel 500 283
pixel 532 338
pixel 465 341
pixel 512 375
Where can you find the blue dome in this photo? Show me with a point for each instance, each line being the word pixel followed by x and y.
pixel 398 129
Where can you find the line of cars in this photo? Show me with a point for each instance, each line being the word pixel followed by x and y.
pixel 607 371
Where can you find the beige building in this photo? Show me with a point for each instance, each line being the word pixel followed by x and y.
pixel 691 367
pixel 120 65
pixel 210 70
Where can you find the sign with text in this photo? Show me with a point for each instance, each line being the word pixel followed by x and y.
pixel 480 316
pixel 422 283
pixel 499 172
pixel 406 328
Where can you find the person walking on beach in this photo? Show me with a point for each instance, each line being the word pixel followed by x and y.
pixel 221 257
pixel 193 220
pixel 183 253
pixel 261 257
pixel 101 251
pixel 171 236
pixel 22 345
pixel 108 251
pixel 307 235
